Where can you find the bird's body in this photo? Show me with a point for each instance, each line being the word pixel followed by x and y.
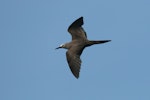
pixel 77 45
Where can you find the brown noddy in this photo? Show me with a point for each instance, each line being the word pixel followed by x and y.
pixel 77 45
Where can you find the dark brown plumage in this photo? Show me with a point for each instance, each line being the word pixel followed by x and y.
pixel 77 45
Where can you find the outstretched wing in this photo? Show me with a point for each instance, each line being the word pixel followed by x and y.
pixel 76 30
pixel 74 61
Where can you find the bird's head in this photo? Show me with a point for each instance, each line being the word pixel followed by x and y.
pixel 61 46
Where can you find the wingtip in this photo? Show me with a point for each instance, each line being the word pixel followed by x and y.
pixel 81 17
pixel 77 77
pixel 77 23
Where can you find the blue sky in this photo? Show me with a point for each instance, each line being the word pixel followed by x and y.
pixel 31 68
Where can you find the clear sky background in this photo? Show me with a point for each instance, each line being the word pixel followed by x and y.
pixel 31 68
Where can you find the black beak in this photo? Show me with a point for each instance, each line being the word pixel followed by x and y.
pixel 58 47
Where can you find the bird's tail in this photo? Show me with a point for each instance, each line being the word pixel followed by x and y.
pixel 97 42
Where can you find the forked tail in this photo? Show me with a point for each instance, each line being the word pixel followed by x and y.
pixel 97 42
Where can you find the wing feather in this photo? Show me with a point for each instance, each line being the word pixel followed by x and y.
pixel 76 30
pixel 74 61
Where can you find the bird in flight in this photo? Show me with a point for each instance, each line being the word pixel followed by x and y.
pixel 77 45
